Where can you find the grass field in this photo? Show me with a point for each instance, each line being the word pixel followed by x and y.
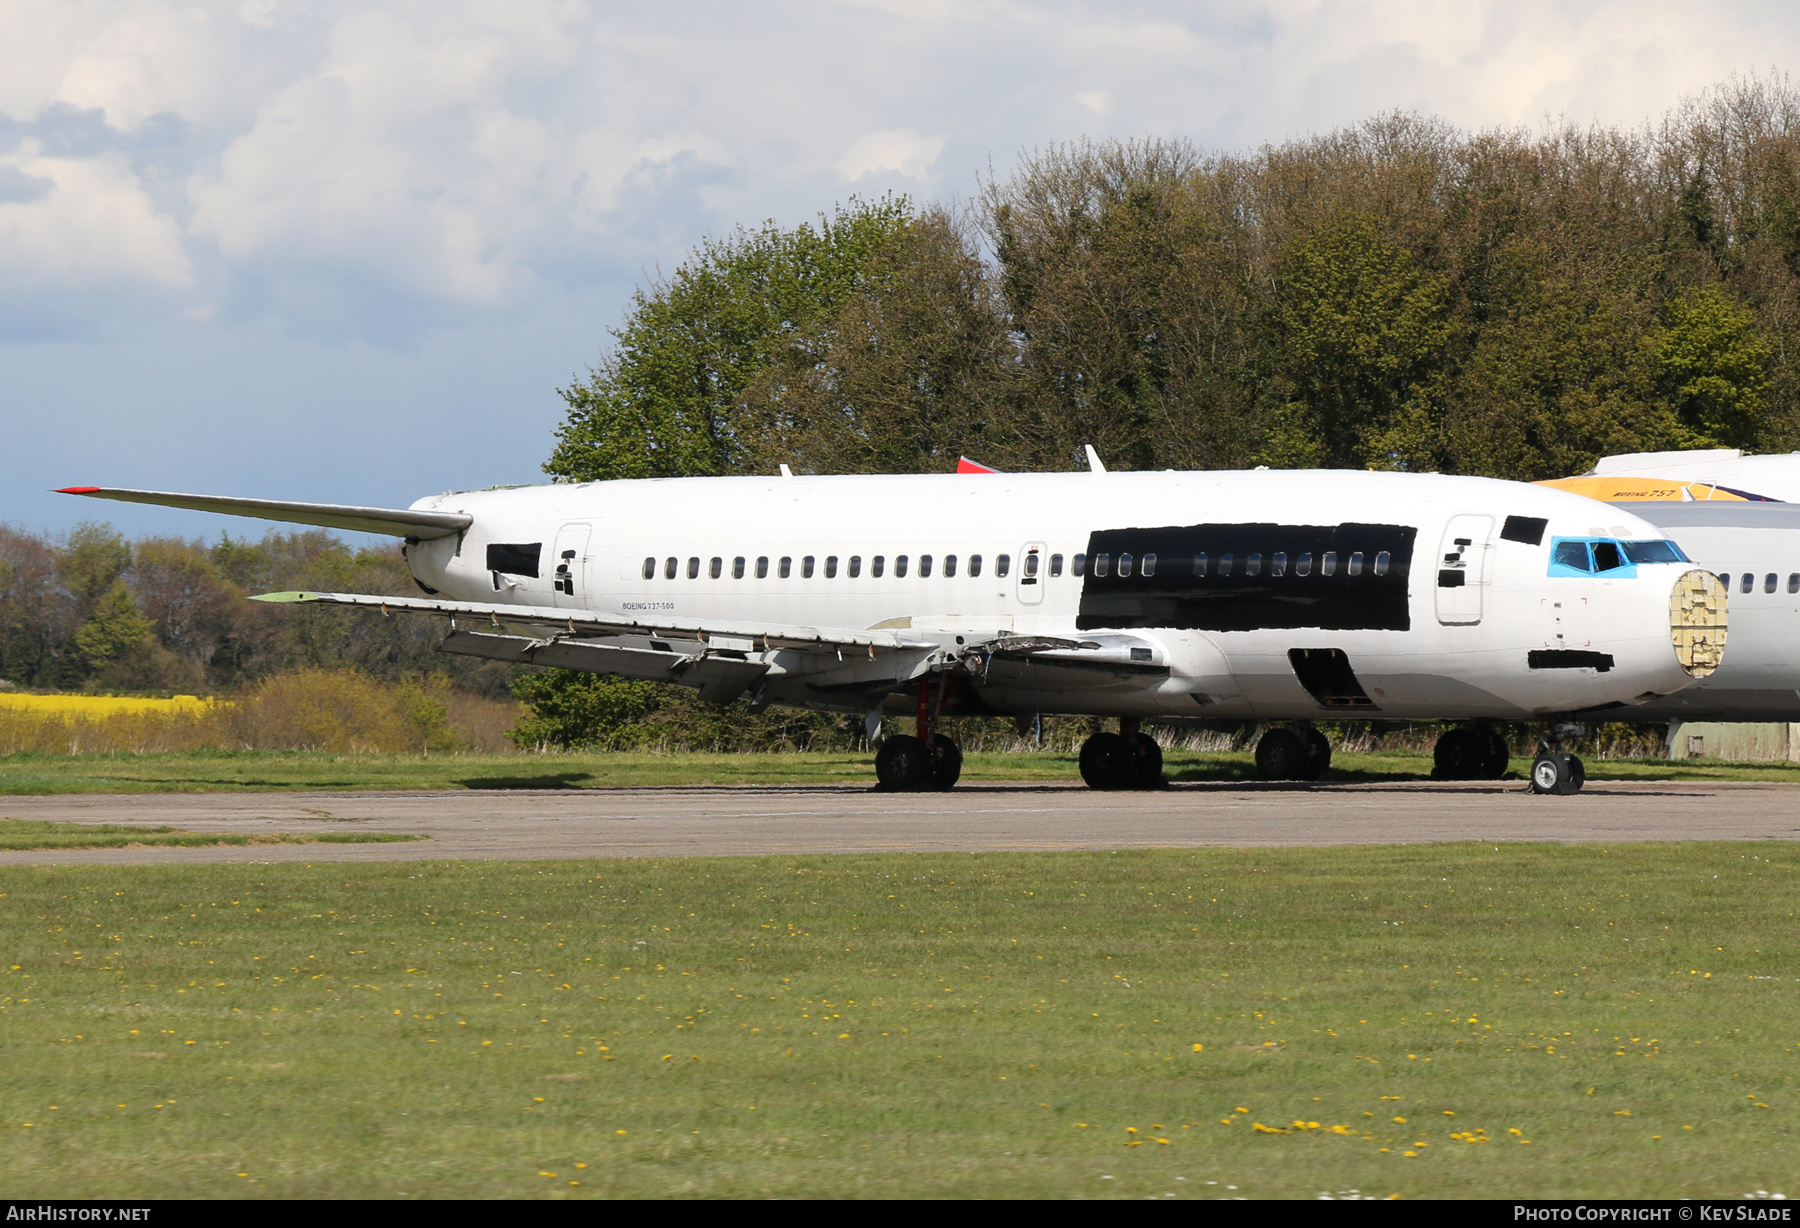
pixel 26 773
pixel 34 834
pixel 1427 1021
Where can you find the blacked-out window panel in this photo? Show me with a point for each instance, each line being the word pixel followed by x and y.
pixel 1232 597
pixel 1528 530
pixel 515 558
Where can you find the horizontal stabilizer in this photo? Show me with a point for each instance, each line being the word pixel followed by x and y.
pixel 749 636
pixel 394 522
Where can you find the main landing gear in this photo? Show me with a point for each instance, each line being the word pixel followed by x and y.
pixel 1293 754
pixel 1473 753
pixel 1124 760
pixel 930 762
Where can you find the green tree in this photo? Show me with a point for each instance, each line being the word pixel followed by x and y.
pixel 1715 365
pixel 667 401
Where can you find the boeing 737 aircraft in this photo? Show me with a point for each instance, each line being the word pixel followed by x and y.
pixel 1277 596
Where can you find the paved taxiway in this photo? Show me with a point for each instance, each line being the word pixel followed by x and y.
pixel 725 821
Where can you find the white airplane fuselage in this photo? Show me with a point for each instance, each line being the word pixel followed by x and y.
pixel 1438 601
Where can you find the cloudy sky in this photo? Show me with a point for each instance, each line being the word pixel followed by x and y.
pixel 348 251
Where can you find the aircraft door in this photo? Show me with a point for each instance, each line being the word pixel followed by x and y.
pixel 1463 566
pixel 569 570
pixel 1032 573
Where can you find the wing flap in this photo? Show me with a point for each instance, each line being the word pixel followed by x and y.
pixel 588 622
pixel 393 522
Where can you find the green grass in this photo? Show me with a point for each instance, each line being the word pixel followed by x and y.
pixel 33 834
pixel 277 771
pixel 910 1025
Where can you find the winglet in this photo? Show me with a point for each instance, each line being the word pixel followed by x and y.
pixel 76 490
pixel 1094 465
pixel 965 465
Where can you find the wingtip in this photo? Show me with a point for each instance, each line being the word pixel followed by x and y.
pixel 287 597
pixel 78 490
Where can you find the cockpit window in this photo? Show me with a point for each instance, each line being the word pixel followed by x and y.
pixel 1607 556
pixel 1654 552
pixel 1572 554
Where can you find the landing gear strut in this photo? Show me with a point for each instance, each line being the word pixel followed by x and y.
pixel 1128 759
pixel 929 762
pixel 1473 753
pixel 1293 754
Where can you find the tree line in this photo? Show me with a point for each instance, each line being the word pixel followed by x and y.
pixel 1401 294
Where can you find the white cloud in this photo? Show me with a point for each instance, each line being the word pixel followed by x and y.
pixel 79 222
pixel 1097 101
pixel 900 151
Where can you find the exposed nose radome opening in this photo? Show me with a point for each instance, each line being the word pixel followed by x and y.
pixel 1697 606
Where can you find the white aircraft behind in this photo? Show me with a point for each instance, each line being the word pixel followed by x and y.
pixel 1270 596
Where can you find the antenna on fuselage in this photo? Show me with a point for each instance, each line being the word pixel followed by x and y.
pixel 786 472
pixel 1094 465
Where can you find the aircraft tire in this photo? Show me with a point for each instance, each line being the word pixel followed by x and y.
pixel 1281 755
pixel 1458 755
pixel 904 765
pixel 1496 755
pixel 946 763
pixel 1106 760
pixel 1318 755
pixel 1146 763
pixel 1559 774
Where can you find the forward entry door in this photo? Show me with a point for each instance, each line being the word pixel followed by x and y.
pixel 1463 567
pixel 568 566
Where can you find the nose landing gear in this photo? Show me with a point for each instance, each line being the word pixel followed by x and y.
pixel 1124 760
pixel 1554 770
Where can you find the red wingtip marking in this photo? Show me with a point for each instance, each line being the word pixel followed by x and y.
pixel 78 490
pixel 965 465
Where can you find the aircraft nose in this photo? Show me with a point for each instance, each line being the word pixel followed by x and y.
pixel 1697 606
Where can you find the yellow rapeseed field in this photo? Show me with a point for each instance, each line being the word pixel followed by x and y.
pixel 104 705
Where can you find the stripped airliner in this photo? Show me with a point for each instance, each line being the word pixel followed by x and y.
pixel 1280 597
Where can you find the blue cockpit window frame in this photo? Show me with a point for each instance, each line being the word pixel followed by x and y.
pixel 1626 572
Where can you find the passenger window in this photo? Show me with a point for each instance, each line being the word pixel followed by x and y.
pixel 1078 564
pixel 1355 568
pixel 1381 563
pixel 855 566
pixel 831 567
pixel 1102 564
pixel 1794 582
pixel 1328 564
pixel 737 568
pixel 1031 563
pixel 1607 556
pixel 1124 564
pixel 1278 563
pixel 1149 567
pixel 1303 564
pixel 949 566
pixel 924 566
pixel 974 565
pixel 1200 563
pixel 671 567
pixel 1725 579
pixel 1748 582
pixel 1253 564
pixel 900 566
pixel 649 569
pixel 806 567
pixel 693 569
pixel 787 567
pixel 717 568
pixel 1002 565
pixel 877 565
pixel 1572 554
pixel 1056 565
pixel 762 568
pixel 1769 582
pixel 1225 561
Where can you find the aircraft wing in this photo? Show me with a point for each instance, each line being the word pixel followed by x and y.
pixel 725 633
pixel 392 521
